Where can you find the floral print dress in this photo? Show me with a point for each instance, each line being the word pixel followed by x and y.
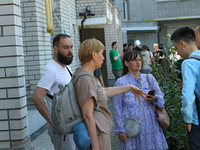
pixel 151 136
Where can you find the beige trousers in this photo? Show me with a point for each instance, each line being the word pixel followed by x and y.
pixel 104 141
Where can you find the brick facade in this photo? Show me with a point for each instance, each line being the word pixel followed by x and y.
pixel 13 110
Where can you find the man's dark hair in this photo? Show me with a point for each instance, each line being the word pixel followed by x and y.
pixel 124 45
pixel 113 43
pixel 130 44
pixel 184 33
pixel 56 39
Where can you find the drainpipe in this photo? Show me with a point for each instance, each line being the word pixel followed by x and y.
pixel 159 29
pixel 82 29
pixel 50 28
pixel 87 13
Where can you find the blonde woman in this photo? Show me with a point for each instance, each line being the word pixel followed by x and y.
pixel 98 121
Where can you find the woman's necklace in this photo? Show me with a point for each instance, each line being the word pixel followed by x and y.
pixel 87 69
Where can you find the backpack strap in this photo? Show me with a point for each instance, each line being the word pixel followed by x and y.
pixel 197 105
pixel 83 74
pixel 194 57
pixel 51 96
pixel 69 71
pixel 74 79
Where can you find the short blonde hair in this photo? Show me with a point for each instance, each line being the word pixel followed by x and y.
pixel 87 48
pixel 154 45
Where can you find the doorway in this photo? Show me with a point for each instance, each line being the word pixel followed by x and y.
pixel 98 33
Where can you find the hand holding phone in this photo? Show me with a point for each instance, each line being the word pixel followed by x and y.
pixel 151 93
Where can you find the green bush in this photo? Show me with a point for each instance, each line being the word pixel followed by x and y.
pixel 169 79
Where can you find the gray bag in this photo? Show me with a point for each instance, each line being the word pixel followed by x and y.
pixel 132 126
pixel 66 113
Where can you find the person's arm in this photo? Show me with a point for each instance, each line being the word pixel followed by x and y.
pixel 116 57
pixel 188 96
pixel 118 119
pixel 87 112
pixel 38 99
pixel 158 98
pixel 162 55
pixel 113 91
pixel 101 80
pixel 151 55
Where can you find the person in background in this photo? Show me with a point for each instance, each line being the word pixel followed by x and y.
pixel 125 49
pixel 137 46
pixel 147 57
pixel 151 136
pixel 163 49
pixel 148 49
pixel 130 46
pixel 55 72
pixel 125 46
pixel 158 55
pixel 115 61
pixel 93 103
pixel 197 34
pixel 185 42
pixel 98 74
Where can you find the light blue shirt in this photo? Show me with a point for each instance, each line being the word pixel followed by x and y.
pixel 191 82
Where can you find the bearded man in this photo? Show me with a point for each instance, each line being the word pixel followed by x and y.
pixel 55 72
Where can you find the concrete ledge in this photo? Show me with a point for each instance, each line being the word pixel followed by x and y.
pixel 35 120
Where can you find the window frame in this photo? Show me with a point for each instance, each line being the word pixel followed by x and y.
pixel 125 11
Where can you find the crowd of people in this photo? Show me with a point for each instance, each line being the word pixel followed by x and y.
pixel 148 57
pixel 130 98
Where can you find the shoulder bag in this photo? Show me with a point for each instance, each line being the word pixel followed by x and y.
pixel 161 113
pixel 132 126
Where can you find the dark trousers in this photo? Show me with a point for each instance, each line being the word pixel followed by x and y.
pixel 194 137
pixel 117 73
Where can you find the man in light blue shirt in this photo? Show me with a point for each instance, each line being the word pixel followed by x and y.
pixel 184 41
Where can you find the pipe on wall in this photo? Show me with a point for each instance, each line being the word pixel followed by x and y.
pixel 49 20
pixel 159 30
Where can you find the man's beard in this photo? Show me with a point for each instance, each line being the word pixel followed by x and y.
pixel 64 59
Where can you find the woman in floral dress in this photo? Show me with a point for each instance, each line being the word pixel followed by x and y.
pixel 151 136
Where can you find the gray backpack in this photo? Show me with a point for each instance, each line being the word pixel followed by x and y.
pixel 66 113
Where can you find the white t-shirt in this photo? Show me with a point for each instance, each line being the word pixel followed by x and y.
pixel 53 75
pixel 147 59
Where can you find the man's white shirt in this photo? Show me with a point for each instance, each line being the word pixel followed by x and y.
pixel 53 75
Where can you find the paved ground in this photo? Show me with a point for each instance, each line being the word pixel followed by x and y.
pixel 42 141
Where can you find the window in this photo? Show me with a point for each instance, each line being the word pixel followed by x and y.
pixel 125 14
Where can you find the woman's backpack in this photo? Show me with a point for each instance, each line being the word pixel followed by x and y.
pixel 66 113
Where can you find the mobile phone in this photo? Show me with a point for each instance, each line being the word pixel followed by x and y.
pixel 151 93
